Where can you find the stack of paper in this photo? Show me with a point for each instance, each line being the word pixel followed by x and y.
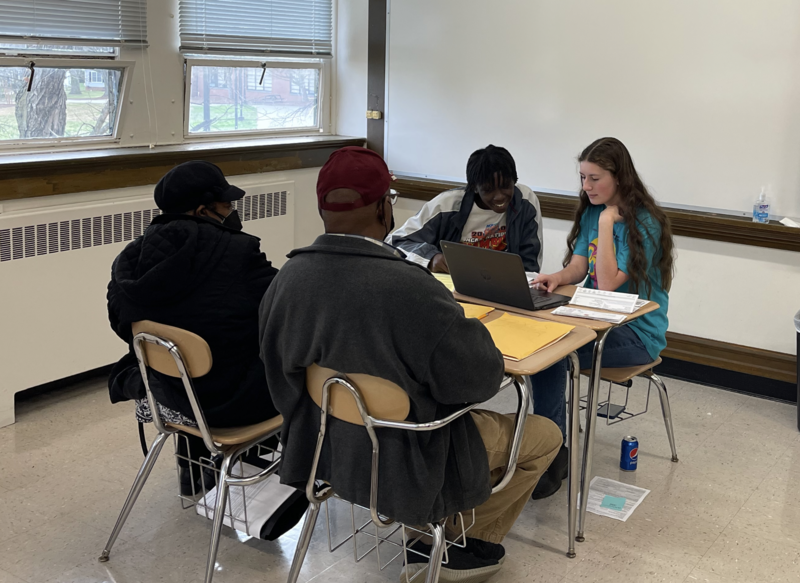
pixel 589 315
pixel 605 300
pixel 614 499
pixel 473 311
pixel 517 337
pixel 446 280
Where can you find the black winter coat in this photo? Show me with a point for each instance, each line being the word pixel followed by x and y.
pixel 198 275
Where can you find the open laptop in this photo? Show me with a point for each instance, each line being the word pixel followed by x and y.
pixel 495 276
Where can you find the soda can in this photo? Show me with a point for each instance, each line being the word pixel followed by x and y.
pixel 630 454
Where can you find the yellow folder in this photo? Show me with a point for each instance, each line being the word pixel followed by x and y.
pixel 473 311
pixel 517 337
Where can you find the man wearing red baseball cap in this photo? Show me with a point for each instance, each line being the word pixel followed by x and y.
pixel 352 303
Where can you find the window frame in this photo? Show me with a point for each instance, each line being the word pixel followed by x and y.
pixel 324 67
pixel 126 68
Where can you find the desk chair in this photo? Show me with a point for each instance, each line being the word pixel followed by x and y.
pixel 182 354
pixel 375 403
pixel 624 377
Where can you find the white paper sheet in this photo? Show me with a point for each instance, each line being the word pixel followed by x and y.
pixel 602 487
pixel 589 315
pixel 531 275
pixel 605 300
pixel 263 499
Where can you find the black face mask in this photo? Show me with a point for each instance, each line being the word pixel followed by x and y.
pixel 232 221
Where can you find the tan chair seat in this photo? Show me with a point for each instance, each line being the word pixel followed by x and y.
pixel 623 375
pixel 235 435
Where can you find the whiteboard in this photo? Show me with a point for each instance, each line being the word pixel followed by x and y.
pixel 704 93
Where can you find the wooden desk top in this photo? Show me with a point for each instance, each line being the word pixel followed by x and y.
pixel 567 290
pixel 546 357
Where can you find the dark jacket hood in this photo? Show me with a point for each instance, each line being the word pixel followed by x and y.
pixel 172 259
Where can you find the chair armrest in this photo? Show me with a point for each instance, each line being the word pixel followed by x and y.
pixel 439 423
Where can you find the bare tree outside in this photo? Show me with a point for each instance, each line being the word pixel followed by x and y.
pixel 42 111
pixel 59 103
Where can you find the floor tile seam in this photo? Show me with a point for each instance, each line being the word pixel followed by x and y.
pixel 315 577
pixel 15 576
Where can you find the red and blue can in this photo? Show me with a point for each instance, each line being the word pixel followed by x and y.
pixel 630 454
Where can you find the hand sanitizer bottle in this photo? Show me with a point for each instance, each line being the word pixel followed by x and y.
pixel 761 208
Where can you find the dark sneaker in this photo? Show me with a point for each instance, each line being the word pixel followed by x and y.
pixel 462 566
pixel 546 487
pixel 486 550
pixel 559 469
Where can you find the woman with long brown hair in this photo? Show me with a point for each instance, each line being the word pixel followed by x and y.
pixel 622 240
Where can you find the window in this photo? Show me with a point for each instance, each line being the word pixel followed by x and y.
pixel 71 102
pixel 244 105
pixel 60 79
pixel 273 56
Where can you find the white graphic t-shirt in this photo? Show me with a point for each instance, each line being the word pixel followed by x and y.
pixel 486 229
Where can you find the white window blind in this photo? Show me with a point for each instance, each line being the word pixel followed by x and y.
pixel 278 27
pixel 106 22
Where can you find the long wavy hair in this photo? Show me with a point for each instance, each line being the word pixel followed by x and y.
pixel 612 155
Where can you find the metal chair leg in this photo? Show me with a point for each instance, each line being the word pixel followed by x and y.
pixel 437 552
pixel 667 412
pixel 138 484
pixel 304 541
pixel 219 513
pixel 573 474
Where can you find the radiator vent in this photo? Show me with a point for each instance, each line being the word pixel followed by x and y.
pixel 49 238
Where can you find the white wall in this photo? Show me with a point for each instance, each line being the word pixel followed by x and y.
pixel 706 94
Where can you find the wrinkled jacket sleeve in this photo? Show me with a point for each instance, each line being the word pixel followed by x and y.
pixel 531 247
pixel 465 366
pixel 419 237
pixel 260 272
pixel 114 318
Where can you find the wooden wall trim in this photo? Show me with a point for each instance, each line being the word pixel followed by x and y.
pixel 51 173
pixel 734 357
pixel 698 225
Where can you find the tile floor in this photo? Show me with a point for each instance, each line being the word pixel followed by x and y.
pixel 728 512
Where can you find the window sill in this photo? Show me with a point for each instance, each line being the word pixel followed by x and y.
pixel 63 172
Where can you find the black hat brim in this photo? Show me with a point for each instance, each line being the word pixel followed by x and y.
pixel 230 194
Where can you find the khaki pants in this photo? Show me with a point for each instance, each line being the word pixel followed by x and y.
pixel 540 444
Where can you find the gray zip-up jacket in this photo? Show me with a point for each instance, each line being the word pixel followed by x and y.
pixel 443 218
pixel 356 306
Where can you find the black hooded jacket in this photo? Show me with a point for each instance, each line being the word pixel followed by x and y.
pixel 196 274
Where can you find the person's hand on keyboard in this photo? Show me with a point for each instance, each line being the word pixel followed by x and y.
pixel 547 282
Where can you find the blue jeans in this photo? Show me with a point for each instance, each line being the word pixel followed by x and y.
pixel 622 348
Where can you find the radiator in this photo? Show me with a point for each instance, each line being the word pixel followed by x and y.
pixel 55 264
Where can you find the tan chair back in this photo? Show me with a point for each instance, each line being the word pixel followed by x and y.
pixel 383 399
pixel 195 351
